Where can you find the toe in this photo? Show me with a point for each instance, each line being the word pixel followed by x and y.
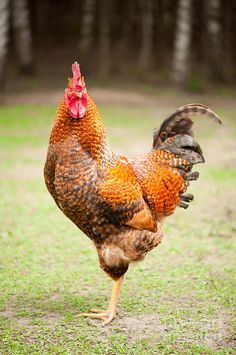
pixel 106 316
pixel 108 320
pixel 95 310
pixel 103 316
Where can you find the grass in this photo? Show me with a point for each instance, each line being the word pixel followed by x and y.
pixel 180 300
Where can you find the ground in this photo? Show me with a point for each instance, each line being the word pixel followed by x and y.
pixel 179 300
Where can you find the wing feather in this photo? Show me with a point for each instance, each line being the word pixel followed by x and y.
pixel 122 199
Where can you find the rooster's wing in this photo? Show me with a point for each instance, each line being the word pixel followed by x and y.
pixel 121 198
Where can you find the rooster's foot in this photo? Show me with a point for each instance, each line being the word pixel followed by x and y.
pixel 107 316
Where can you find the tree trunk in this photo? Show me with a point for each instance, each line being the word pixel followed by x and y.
pixel 104 38
pixel 87 26
pixel 4 33
pixel 182 43
pixel 145 55
pixel 215 46
pixel 22 34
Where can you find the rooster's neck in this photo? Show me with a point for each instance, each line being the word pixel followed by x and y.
pixel 88 130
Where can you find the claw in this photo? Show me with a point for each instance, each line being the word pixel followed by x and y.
pixel 108 320
pixel 183 205
pixel 186 197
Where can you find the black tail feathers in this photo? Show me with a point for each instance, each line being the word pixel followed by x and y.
pixel 179 122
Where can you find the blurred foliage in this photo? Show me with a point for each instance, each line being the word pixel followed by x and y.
pixel 195 85
pixel 108 38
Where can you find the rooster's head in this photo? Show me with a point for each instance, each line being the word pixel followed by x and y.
pixel 76 97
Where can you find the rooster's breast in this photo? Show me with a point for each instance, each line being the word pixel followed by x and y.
pixel 74 183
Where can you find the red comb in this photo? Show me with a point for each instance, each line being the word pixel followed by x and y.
pixel 76 95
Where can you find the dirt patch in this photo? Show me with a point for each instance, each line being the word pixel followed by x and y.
pixel 103 96
pixel 140 327
pixel 135 328
pixel 223 338
pixel 10 313
pixel 51 318
pixel 33 98
pixel 55 298
pixel 121 97
pixel 219 334
pixel 23 321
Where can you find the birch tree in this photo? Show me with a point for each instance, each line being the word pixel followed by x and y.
pixel 87 26
pixel 104 34
pixel 215 38
pixel 145 54
pixel 182 42
pixel 4 33
pixel 22 34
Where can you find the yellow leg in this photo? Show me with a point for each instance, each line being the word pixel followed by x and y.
pixel 107 315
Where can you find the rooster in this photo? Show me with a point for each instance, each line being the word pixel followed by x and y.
pixel 119 203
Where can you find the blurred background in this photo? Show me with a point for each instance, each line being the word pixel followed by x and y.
pixel 189 43
pixel 141 59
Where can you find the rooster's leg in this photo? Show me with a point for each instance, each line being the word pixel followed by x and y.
pixel 109 314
